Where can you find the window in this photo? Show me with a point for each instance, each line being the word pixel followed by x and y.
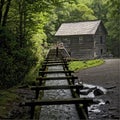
pixel 80 39
pixel 66 40
pixel 101 39
pixel 101 51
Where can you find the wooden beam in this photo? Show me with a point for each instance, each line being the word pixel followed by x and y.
pixel 52 60
pixel 54 64
pixel 57 87
pixel 86 101
pixel 52 72
pixel 56 78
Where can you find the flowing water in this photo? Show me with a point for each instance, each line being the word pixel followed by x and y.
pixel 67 112
pixel 57 112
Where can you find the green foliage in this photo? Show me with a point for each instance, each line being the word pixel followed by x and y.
pixel 113 26
pixel 108 12
pixel 100 9
pixel 78 65
pixel 15 62
pixel 31 24
pixel 71 11
pixel 92 63
pixel 75 12
pixel 7 70
pixel 22 42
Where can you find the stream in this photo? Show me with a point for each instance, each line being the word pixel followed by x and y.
pixel 68 112
pixel 58 112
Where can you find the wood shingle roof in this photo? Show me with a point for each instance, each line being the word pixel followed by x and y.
pixel 78 28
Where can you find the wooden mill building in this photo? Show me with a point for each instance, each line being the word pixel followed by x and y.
pixel 84 40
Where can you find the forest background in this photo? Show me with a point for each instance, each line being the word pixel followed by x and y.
pixel 27 28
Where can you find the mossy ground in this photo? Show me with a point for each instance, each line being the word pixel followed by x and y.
pixel 7 97
pixel 10 96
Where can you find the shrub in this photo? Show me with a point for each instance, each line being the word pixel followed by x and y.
pixel 15 62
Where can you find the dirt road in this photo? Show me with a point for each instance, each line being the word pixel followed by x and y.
pixel 107 76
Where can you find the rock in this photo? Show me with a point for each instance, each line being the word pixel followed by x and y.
pixel 107 102
pixel 84 92
pixel 91 89
pixel 115 117
pixel 85 87
pixel 105 116
pixel 98 92
pixel 111 87
pixel 87 91
pixel 96 101
pixel 112 108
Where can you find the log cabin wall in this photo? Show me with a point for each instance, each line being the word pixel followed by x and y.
pixel 100 42
pixel 79 46
pixel 84 45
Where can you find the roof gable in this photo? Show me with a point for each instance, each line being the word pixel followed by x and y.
pixel 78 28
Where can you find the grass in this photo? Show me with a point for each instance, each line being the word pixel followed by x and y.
pixel 78 65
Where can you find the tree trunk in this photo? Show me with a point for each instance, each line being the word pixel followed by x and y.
pixel 6 13
pixel 22 22
pixel 1 7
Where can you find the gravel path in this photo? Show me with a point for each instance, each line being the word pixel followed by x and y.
pixel 107 76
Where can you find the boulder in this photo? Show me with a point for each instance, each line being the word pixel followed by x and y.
pixel 98 92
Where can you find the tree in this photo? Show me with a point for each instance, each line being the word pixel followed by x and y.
pixel 113 26
pixel 4 9
pixel 22 37
pixel 1 8
pixel 100 9
pixel 71 11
